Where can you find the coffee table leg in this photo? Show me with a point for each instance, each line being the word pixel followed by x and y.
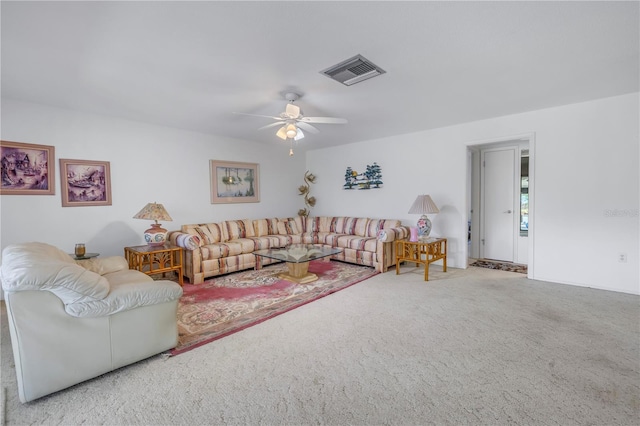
pixel 299 273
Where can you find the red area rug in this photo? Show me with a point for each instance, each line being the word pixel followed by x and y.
pixel 230 303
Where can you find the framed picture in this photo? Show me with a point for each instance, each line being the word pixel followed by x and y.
pixel 234 182
pixel 27 169
pixel 85 183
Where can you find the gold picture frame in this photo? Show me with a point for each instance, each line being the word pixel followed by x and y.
pixel 234 182
pixel 27 169
pixel 85 183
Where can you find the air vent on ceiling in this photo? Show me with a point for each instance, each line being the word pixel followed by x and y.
pixel 353 70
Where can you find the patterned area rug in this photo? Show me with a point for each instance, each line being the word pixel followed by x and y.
pixel 502 266
pixel 230 303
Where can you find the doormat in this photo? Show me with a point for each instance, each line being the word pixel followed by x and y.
pixel 501 266
pixel 230 303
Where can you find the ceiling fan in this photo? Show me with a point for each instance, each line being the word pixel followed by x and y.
pixel 292 122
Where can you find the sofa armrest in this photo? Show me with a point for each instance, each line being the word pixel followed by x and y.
pixel 391 234
pixel 105 265
pixel 184 240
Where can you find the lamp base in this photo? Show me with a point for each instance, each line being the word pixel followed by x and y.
pixel 156 235
pixel 424 226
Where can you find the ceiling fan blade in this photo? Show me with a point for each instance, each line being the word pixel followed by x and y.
pixel 293 111
pixel 282 133
pixel 258 115
pixel 277 123
pixel 308 127
pixel 299 135
pixel 324 120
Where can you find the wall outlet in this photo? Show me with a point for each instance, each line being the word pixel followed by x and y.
pixel 622 257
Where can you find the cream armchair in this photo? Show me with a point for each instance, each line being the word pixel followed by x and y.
pixel 72 321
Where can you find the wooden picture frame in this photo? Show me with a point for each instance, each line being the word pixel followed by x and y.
pixel 27 169
pixel 233 182
pixel 85 183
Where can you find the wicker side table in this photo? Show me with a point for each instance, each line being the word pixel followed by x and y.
pixel 425 251
pixel 155 259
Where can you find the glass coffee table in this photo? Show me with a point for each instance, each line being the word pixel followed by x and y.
pixel 297 257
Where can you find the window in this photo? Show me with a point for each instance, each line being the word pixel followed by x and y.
pixel 524 196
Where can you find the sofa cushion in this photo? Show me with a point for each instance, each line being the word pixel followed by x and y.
pixel 356 226
pixel 319 224
pixel 301 223
pixel 31 266
pixel 263 227
pixel 357 243
pixel 234 229
pixel 288 227
pixel 266 242
pixel 376 225
pixel 228 248
pixel 209 233
pixel 338 225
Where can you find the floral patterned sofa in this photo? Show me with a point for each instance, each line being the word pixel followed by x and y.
pixel 212 249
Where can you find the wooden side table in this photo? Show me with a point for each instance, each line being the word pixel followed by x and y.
pixel 424 251
pixel 155 259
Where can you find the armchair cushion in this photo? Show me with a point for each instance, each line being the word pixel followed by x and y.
pixel 73 283
pixel 105 265
pixel 126 294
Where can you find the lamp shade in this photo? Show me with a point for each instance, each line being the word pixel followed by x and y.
pixel 423 205
pixel 156 235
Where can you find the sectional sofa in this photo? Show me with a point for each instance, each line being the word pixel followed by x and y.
pixel 212 249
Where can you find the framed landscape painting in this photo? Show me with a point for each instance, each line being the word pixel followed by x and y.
pixel 85 183
pixel 234 182
pixel 27 169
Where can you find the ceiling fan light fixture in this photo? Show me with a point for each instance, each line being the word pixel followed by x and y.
pixel 291 131
pixel 282 133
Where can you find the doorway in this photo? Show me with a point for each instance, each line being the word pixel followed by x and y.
pixel 500 199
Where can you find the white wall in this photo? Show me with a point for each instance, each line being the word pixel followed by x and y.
pixel 586 183
pixel 148 164
pixel 586 186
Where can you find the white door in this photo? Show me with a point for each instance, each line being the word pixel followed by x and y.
pixel 497 203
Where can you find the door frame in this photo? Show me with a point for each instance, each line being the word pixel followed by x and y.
pixel 473 188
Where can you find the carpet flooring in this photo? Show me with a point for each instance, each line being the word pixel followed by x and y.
pixel 471 346
pixel 230 303
pixel 500 266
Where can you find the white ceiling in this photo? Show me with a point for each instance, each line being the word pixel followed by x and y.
pixel 190 65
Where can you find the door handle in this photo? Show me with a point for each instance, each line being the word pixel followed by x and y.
pixel 508 211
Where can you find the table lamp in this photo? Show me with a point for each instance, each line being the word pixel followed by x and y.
pixel 424 205
pixel 156 235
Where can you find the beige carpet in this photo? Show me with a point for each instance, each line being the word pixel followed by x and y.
pixel 469 347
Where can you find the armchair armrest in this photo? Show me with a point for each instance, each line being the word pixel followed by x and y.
pixel 184 240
